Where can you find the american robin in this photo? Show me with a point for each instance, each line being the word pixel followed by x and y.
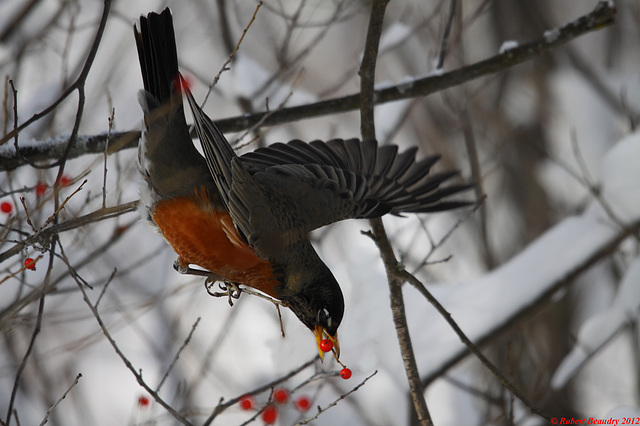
pixel 246 220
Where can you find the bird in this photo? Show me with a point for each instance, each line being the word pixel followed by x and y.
pixel 246 219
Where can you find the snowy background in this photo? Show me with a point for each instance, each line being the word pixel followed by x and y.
pixel 546 276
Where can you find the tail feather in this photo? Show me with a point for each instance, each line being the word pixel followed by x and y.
pixel 157 54
pixel 169 162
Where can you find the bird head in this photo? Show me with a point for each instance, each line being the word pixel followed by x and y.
pixel 319 305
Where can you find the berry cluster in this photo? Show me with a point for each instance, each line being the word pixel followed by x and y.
pixel 280 396
pixel 40 189
pixel 7 208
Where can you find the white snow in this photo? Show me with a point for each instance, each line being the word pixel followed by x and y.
pixel 479 306
pixel 599 329
pixel 508 45
pixel 551 36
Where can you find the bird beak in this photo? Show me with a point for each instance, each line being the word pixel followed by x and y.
pixel 321 334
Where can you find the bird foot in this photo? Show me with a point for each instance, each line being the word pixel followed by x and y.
pixel 182 268
pixel 229 289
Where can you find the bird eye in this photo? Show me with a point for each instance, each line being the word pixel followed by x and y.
pixel 324 317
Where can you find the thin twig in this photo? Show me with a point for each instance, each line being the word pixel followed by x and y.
pixel 232 55
pixel 114 345
pixel 335 402
pixel 23 268
pixel 64 395
pixel 435 245
pixel 445 36
pixel 26 212
pixel 175 358
pixel 106 285
pixel 106 152
pixel 34 334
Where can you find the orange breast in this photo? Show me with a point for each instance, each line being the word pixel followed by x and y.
pixel 207 238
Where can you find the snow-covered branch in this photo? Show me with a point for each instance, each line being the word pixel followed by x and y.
pixel 517 53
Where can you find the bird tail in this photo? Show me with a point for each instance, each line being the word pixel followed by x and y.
pixel 158 56
pixel 169 161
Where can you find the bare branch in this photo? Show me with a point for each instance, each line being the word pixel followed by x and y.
pixel 367 127
pixel 46 233
pixel 603 15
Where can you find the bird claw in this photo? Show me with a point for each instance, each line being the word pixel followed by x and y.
pixel 182 268
pixel 229 289
pixel 232 290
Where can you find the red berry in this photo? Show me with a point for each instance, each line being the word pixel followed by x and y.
pixel 281 396
pixel 29 263
pixel 247 402
pixel 303 403
pixel 345 373
pixel 41 189
pixel 143 401
pixel 326 345
pixel 65 180
pixel 270 414
pixel 6 207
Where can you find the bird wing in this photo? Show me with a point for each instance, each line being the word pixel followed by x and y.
pixel 250 208
pixel 277 194
pixel 341 179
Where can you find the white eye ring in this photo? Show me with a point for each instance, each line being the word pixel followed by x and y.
pixel 328 315
pixel 324 313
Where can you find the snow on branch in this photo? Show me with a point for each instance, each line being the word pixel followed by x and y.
pixel 602 16
pixel 496 301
